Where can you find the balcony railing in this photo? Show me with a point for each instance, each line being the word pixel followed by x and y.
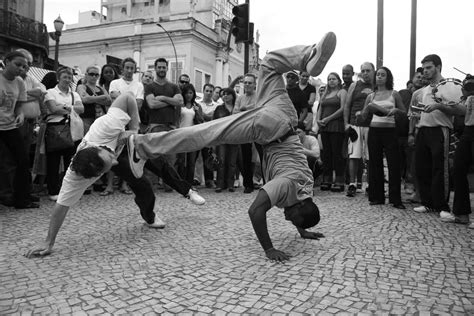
pixel 23 29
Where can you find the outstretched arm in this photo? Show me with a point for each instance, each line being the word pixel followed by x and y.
pixel 55 223
pixel 258 215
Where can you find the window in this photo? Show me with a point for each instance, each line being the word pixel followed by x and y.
pixel 174 71
pixel 198 80
pixel 201 78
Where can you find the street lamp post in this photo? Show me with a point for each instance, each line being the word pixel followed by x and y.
pixel 58 26
pixel 174 48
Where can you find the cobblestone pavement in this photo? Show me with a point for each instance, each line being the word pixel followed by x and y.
pixel 374 260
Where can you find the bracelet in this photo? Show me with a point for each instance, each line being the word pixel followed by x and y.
pixel 269 249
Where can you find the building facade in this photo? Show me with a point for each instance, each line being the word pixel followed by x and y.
pixel 21 26
pixel 128 28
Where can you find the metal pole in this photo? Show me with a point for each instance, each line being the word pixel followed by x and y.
pixel 246 48
pixel 57 35
pixel 174 48
pixel 413 38
pixel 380 34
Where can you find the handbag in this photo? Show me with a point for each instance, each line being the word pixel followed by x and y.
pixel 58 136
pixel 77 126
pixel 212 162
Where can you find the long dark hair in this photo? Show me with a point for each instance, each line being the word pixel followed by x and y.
pixel 232 92
pixel 388 82
pixel 102 79
pixel 186 88
pixel 328 89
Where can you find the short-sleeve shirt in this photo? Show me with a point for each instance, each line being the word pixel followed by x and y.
pixel 60 98
pixel 469 118
pixel 123 86
pixel 286 167
pixel 165 115
pixel 103 132
pixel 298 99
pixel 307 92
pixel 437 117
pixel 247 102
pixel 11 92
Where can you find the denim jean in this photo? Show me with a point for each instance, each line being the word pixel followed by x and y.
pixel 227 155
pixel 273 117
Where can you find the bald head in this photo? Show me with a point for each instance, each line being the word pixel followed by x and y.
pixel 367 71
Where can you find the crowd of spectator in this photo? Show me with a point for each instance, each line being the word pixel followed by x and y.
pixel 343 125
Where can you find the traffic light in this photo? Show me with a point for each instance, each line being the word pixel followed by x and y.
pixel 240 23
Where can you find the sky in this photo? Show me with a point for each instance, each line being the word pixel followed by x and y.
pixel 442 28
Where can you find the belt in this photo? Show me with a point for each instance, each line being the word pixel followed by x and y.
pixel 291 132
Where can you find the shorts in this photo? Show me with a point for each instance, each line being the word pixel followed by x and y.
pixel 358 149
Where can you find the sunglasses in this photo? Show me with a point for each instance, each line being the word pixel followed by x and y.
pixel 183 81
pixel 93 74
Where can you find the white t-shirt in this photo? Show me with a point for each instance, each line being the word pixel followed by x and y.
pixel 187 117
pixel 105 131
pixel 123 86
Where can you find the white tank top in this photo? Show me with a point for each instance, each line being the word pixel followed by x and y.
pixel 187 117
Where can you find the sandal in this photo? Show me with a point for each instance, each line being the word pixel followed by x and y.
pixel 106 192
pixel 126 191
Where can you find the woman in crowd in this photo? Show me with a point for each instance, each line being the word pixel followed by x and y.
pixel 60 102
pixel 384 103
pixel 191 114
pixel 331 128
pixel 107 74
pixel 92 96
pixel 226 154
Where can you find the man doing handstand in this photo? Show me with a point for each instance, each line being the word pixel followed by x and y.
pixel 272 124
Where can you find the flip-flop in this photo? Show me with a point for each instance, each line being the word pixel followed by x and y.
pixel 126 191
pixel 106 192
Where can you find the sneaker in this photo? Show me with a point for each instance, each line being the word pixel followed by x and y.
pixel 136 163
pixel 351 190
pixel 320 54
pixel 195 197
pixel 471 226
pixel 237 184
pixel 53 197
pixel 422 209
pixel 444 214
pixel 451 218
pixel 158 223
